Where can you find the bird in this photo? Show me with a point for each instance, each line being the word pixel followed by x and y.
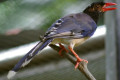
pixel 71 30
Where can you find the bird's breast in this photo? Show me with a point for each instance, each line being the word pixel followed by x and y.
pixel 61 40
pixel 75 42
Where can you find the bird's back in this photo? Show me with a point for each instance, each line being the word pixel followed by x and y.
pixel 76 23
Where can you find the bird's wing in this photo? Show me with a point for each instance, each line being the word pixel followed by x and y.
pixel 72 26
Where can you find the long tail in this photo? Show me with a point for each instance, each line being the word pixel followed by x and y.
pixel 28 57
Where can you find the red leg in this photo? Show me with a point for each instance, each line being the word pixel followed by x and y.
pixel 62 48
pixel 78 58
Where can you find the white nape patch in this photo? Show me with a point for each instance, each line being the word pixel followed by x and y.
pixel 26 62
pixel 11 74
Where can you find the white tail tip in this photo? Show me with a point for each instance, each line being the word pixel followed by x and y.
pixel 11 74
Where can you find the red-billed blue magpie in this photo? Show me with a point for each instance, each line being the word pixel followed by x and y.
pixel 71 30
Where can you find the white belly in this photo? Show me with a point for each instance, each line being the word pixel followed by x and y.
pixel 70 42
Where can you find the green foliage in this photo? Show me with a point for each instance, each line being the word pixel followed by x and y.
pixel 36 14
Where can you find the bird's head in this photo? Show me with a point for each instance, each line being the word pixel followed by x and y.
pixel 100 7
pixel 96 8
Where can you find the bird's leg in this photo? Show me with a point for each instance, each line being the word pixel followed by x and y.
pixel 62 48
pixel 78 58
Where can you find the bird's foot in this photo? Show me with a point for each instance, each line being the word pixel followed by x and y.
pixel 78 58
pixel 78 62
pixel 62 48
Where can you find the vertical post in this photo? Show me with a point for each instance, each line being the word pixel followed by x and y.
pixel 112 21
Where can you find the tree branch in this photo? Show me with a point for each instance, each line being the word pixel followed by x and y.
pixel 82 66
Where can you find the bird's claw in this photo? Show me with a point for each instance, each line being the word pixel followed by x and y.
pixel 78 62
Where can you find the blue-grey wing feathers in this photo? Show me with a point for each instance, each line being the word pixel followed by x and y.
pixel 72 26
pixel 29 56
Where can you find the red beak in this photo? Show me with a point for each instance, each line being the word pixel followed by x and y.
pixel 109 4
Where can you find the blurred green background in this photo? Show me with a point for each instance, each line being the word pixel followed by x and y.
pixel 22 21
pixel 36 14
